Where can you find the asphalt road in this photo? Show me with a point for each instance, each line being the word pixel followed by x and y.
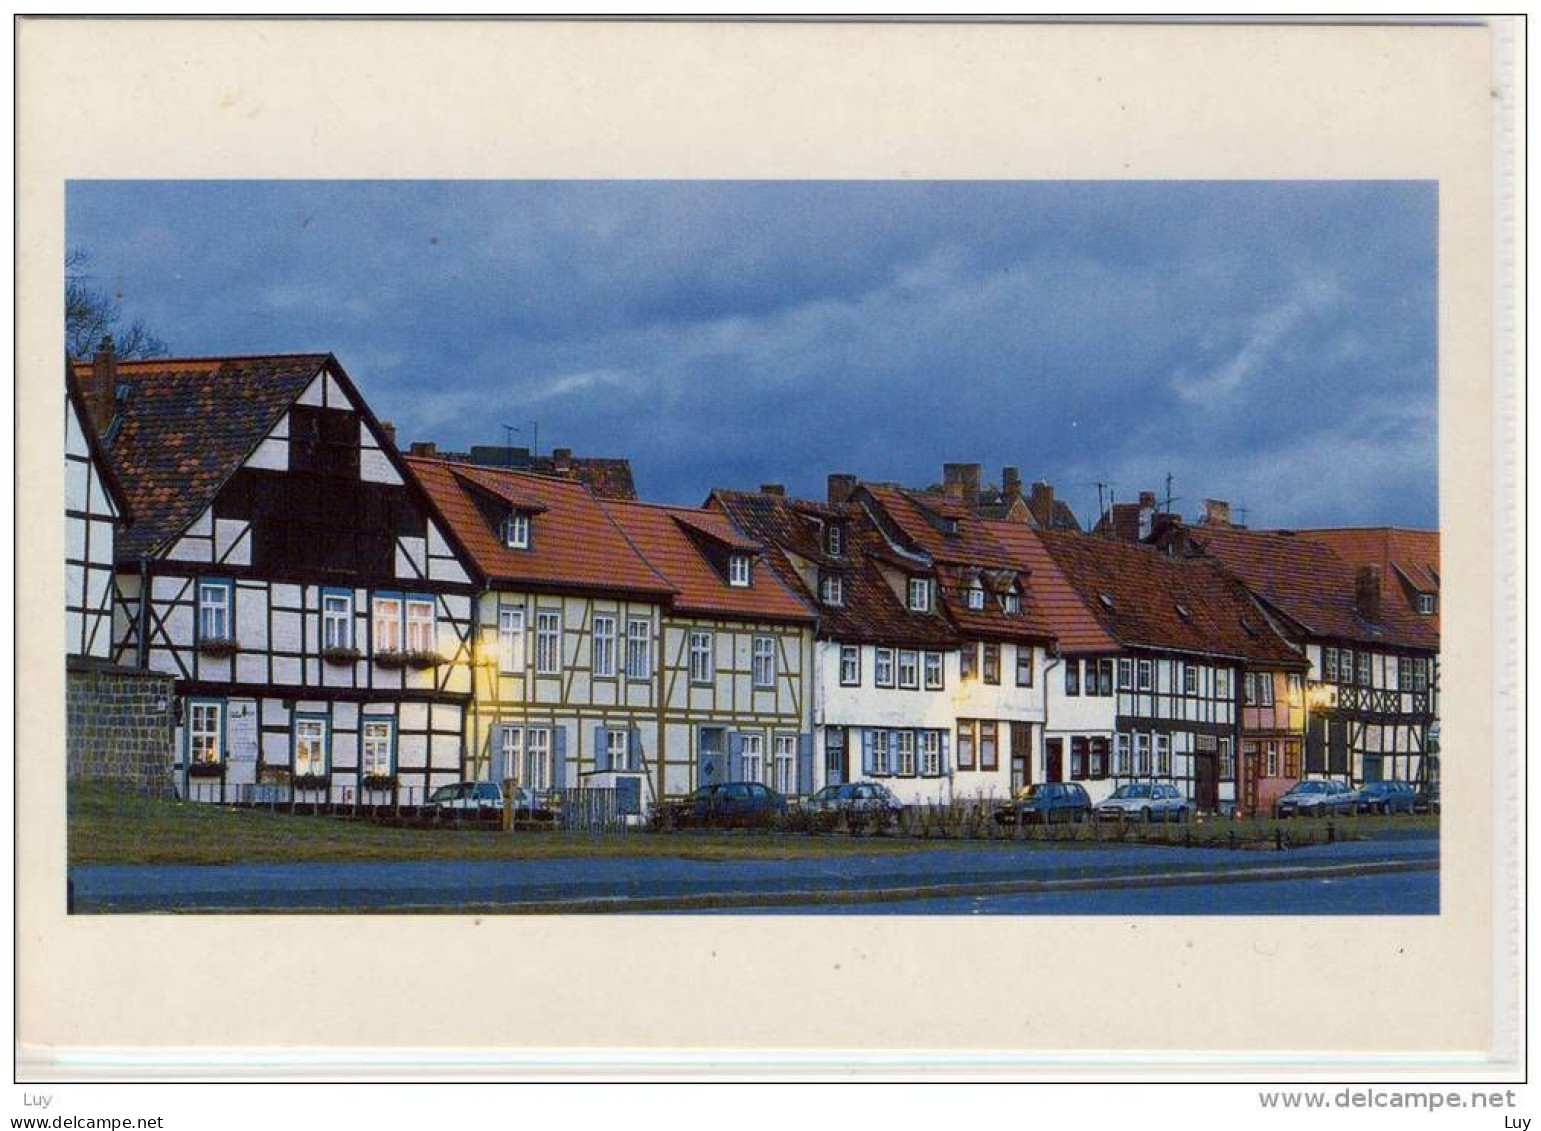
pixel 1009 878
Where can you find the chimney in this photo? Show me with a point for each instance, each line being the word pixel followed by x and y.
pixel 390 431
pixel 424 448
pixel 1367 593
pixel 1217 512
pixel 961 481
pixel 562 458
pixel 773 489
pixel 1011 485
pixel 1041 503
pixel 841 487
pixel 101 386
pixel 1147 500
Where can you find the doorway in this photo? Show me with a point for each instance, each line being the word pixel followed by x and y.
pixel 1054 758
pixel 1206 782
pixel 711 755
pixel 1021 755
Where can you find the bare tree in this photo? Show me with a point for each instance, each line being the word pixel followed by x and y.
pixel 90 314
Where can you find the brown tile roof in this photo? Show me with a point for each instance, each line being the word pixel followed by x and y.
pixel 1144 598
pixel 1411 557
pixel 607 478
pixel 1310 584
pixel 1059 605
pixel 919 519
pixel 667 537
pixel 872 612
pixel 184 426
pixel 574 544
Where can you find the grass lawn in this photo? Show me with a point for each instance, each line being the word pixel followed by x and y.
pixel 109 826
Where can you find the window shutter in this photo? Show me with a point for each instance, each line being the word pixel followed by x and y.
pixel 601 749
pixel 866 752
pixel 944 765
pixel 559 757
pixel 634 748
pixel 499 772
pixel 805 763
pixel 735 756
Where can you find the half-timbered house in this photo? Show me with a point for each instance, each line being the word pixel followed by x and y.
pixel 94 507
pixel 735 658
pixel 286 572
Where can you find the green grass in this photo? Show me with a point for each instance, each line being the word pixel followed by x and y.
pixel 110 826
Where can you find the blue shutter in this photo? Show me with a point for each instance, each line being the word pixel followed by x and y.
pixel 735 756
pixel 559 757
pixel 943 764
pixel 499 774
pixel 805 763
pixel 868 757
pixel 634 748
pixel 601 749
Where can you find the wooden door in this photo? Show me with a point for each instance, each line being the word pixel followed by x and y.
pixel 1054 756
pixel 1206 781
pixel 1021 755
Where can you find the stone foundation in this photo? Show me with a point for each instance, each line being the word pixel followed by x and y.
pixel 118 726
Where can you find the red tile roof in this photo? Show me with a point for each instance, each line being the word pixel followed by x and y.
pixel 1411 557
pixel 1059 605
pixel 1311 585
pixel 920 518
pixel 184 426
pixel 574 544
pixel 667 537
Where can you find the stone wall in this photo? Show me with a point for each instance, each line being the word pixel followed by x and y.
pixel 119 726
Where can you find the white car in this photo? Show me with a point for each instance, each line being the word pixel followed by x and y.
pixel 1144 801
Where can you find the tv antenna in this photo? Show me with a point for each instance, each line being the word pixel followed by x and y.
pixel 512 430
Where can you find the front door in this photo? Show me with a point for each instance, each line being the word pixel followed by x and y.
pixel 712 756
pixel 834 756
pixel 1373 767
pixel 1206 781
pixel 1021 755
pixel 1054 757
pixel 1250 770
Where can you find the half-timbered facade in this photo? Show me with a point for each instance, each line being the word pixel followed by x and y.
pixel 286 572
pixel 736 654
pixel 93 510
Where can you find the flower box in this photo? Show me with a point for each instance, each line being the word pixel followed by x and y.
pixel 311 781
pixel 206 769
pixel 382 782
pixel 392 660
pixel 274 775
pixel 422 661
pixel 338 654
pixel 218 649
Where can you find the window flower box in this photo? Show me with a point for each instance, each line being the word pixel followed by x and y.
pixel 274 775
pixel 311 781
pixel 339 654
pixel 422 661
pixel 391 660
pixel 380 782
pixel 218 648
pixel 206 769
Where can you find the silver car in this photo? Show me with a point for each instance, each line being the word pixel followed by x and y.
pixel 1144 801
pixel 1316 799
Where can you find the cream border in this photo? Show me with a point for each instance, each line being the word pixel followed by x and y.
pixel 268 99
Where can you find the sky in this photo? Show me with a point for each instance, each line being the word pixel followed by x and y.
pixel 1272 344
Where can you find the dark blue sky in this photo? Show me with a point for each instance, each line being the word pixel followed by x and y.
pixel 1270 343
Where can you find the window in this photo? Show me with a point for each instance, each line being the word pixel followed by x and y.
pixel 880 752
pixel 1426 604
pixel 754 757
pixel 1098 766
pixel 738 570
pixel 1223 683
pixel 1190 680
pixel 883 667
pixel 976 596
pixel 700 657
pixel 765 661
pixel 617 756
pixel 1364 669
pixel 934 677
pixel 1143 673
pixel 513 753
pixel 965 744
pixel 1121 767
pixel 909 669
pixel 930 753
pixel 920 595
pixel 904 757
pixel 1346 666
pixel 1273 760
pixel 422 635
pixel 214 610
pixel 1011 601
pixel 537 759
pixel 1330 665
pixel 377 746
pixel 1227 761
pixel 548 642
pixel 1072 677
pixel 1078 758
pixel 1249 690
pixel 785 778
pixel 336 620
pixel 1296 698
pixel 205 732
pixel 1125 675
pixel 968 661
pixel 988 745
pixel 850 665
pixel 516 531
pixel 836 541
pixel 639 648
pixel 511 640
pixel 386 617
pixel 604 645
pixel 1404 674
pixel 1142 755
pixel 992 664
pixel 1024 665
pixel 832 589
pixel 1105 677
pixel 1420 674
pixel 1265 689
pixel 1163 755
pixel 1291 760
pixel 309 744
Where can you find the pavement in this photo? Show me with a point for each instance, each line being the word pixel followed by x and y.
pixel 848 883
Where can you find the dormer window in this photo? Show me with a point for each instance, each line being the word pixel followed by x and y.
pixel 738 571
pixel 976 596
pixel 516 531
pixel 1011 601
pixel 835 540
pixel 832 589
pixel 920 595
pixel 1426 604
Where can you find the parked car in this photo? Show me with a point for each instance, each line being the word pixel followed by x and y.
pixel 1144 801
pixel 1426 798
pixel 1315 799
pixel 724 805
pixel 1385 797
pixel 465 799
pixel 867 800
pixel 1044 802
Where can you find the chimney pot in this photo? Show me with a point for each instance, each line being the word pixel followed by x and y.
pixel 101 386
pixel 424 448
pixel 841 487
pixel 1011 484
pixel 390 431
pixel 1217 512
pixel 1367 593
pixel 1148 499
pixel 1041 503
pixel 961 482
pixel 562 457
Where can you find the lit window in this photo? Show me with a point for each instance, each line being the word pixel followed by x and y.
pixel 337 620
pixel 920 594
pixel 421 631
pixel 386 617
pixel 516 531
pixel 909 669
pixel 850 665
pixel 309 744
pixel 785 767
pixel 214 610
pixel 738 570
pixel 832 589
pixel 765 661
pixel 883 667
pixel 700 657
pixel 754 757
pixel 604 646
pixel 377 746
pixel 934 675
pixel 205 732
pixel 511 640
pixel 639 648
pixel 548 642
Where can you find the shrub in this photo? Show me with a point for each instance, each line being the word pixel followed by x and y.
pixel 380 781
pixel 311 781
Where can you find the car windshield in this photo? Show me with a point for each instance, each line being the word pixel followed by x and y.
pixel 1033 791
pixel 1132 790
pixel 445 793
pixel 828 793
pixel 1308 787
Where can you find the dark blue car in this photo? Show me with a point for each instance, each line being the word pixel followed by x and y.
pixel 1385 797
pixel 725 805
pixel 1046 802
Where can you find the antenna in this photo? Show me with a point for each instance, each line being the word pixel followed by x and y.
pixel 510 431
pixel 1166 503
pixel 1241 513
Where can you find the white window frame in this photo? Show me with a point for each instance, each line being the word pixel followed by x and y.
pixel 516 531
pixel 316 740
pixel 702 646
pixel 385 612
pixel 205 732
pixel 537 766
pixel 1011 602
pixel 976 596
pixel 904 760
pixel 883 661
pixel 909 669
pixel 936 671
pixel 1271 756
pixel 1366 662
pixel 1421 674
pixel 1329 665
pixel 603 639
pixel 548 642
pixel 1163 755
pixel 1122 753
pixel 1227 761
pixel 930 753
pixel 850 665
pixel 1426 604
pixel 764 655
pixel 920 595
pixel 1223 683
pixel 1142 755
pixel 784 763
pixel 513 755
pixel 372 745
pixel 1145 676
pixel 1126 675
pixel 880 754
pixel 617 750
pixel 215 612
pixel 832 590
pixel 422 629
pixel 639 649
pixel 1190 680
pixel 1345 665
pixel 753 756
pixel 511 639
pixel 835 543
pixel 738 571
pixel 336 619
